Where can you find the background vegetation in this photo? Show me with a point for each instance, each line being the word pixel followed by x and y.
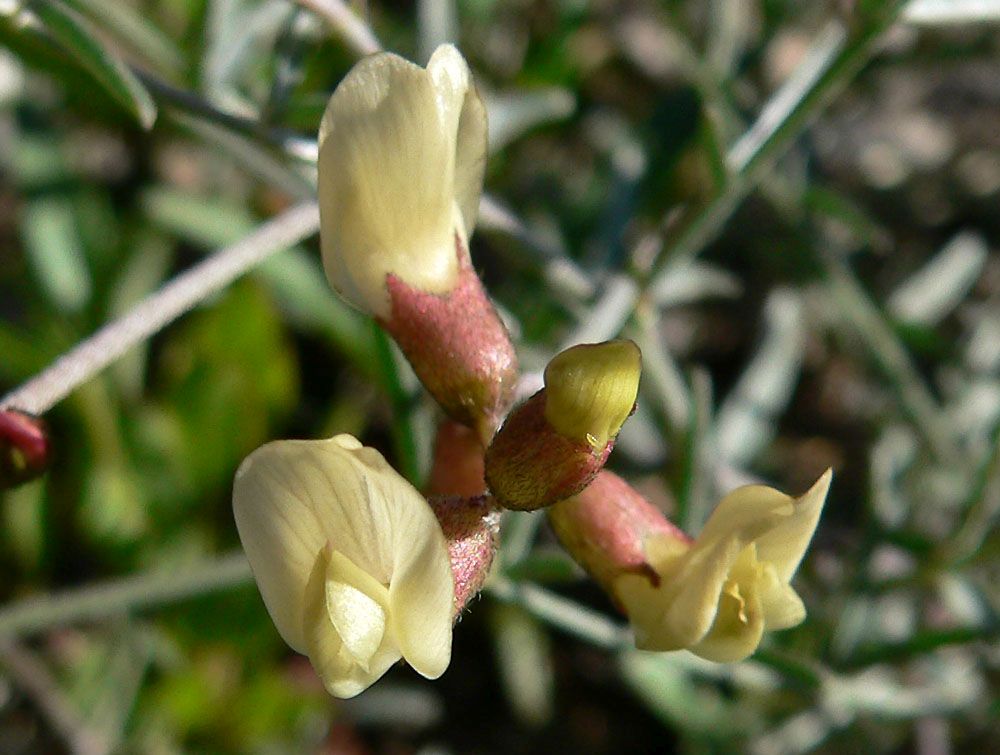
pixel 791 207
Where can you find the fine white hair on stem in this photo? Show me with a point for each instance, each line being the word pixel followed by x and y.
pixel 153 313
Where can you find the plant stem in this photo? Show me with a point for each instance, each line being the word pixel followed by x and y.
pixel 562 613
pixel 834 59
pixel 358 35
pixel 104 599
pixel 32 676
pixel 289 142
pixel 981 514
pixel 891 357
pixel 153 313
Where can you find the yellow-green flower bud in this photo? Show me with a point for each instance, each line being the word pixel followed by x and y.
pixel 590 390
pixel 553 445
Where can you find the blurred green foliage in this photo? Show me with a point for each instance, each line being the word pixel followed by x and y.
pixel 791 207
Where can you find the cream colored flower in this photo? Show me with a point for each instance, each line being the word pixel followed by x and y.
pixel 402 150
pixel 719 593
pixel 349 558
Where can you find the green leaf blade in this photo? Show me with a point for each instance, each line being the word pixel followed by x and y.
pixel 75 36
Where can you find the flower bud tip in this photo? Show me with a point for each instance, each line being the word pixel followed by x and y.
pixel 591 390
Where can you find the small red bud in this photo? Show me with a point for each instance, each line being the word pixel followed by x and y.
pixel 25 448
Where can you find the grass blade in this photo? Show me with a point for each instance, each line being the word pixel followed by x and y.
pixel 74 34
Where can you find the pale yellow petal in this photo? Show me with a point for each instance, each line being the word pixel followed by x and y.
pixel 780 604
pixel 470 159
pixel 350 559
pixel 645 609
pixel 340 482
pixel 421 595
pixel 280 534
pixel 334 662
pixel 738 626
pixel 421 589
pixel 386 181
pixel 718 594
pixel 681 610
pixel 450 77
pixel 291 498
pixel 747 513
pixel 784 545
pixel 783 608
pixel 464 115
pixel 357 606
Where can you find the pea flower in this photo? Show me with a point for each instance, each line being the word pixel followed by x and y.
pixel 714 595
pixel 350 560
pixel 402 151
pixel 718 594
pixel 554 444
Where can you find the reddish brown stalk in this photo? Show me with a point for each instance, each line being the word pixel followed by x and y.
pixel 458 346
pixel 458 467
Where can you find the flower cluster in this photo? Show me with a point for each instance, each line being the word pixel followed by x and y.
pixel 357 568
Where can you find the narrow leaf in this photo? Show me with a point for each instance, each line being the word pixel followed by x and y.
pixel 74 34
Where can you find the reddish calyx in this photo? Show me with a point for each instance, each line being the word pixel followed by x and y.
pixel 458 467
pixel 458 346
pixel 472 528
pixel 529 465
pixel 605 528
